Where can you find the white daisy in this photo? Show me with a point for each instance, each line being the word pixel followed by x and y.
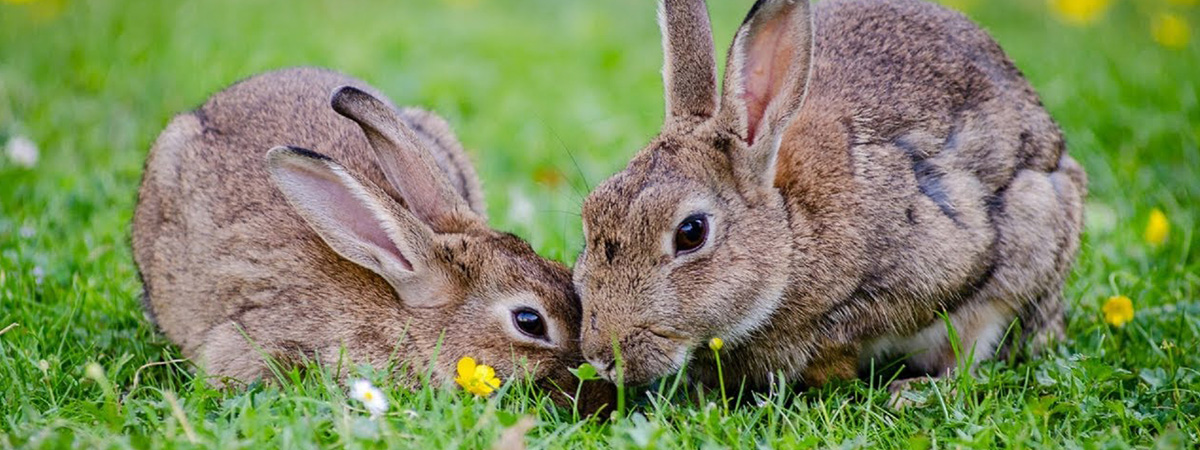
pixel 371 397
pixel 22 151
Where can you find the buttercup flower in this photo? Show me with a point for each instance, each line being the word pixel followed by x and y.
pixel 370 396
pixel 1157 228
pixel 478 379
pixel 1118 310
pixel 1170 30
pixel 716 344
pixel 1080 12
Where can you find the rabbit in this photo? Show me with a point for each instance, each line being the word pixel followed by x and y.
pixel 363 241
pixel 870 170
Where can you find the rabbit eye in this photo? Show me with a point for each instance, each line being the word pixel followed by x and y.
pixel 691 233
pixel 530 323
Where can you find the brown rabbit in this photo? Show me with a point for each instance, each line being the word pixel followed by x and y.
pixel 846 188
pixel 360 244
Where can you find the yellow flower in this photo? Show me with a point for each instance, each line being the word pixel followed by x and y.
pixel 715 344
pixel 1157 228
pixel 478 379
pixel 1080 12
pixel 1118 310
pixel 1170 30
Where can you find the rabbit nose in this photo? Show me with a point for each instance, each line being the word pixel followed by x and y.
pixel 601 357
pixel 604 366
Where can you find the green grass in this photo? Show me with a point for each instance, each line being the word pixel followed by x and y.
pixel 552 96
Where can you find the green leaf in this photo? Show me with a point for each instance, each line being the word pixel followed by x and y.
pixel 585 372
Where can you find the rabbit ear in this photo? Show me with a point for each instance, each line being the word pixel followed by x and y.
pixel 689 63
pixel 766 77
pixel 358 221
pixel 406 163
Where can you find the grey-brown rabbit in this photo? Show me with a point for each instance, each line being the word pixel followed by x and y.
pixel 867 167
pixel 374 242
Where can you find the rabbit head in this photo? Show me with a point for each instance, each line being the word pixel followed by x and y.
pixel 689 242
pixel 472 290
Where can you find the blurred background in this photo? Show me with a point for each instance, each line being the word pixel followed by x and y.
pixel 549 97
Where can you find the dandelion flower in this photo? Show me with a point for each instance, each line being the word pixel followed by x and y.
pixel 1170 30
pixel 1118 310
pixel 478 379
pixel 1080 12
pixel 1157 228
pixel 370 396
pixel 716 344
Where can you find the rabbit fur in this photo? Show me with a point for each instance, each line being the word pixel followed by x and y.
pixel 868 167
pixel 365 242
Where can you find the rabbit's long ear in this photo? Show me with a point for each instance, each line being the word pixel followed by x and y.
pixel 358 221
pixel 766 78
pixel 406 163
pixel 689 60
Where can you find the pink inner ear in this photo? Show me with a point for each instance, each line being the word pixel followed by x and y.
pixel 342 209
pixel 768 55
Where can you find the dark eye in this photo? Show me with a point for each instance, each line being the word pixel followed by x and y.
pixel 691 233
pixel 530 322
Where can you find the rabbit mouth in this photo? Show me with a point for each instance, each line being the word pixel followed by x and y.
pixel 654 355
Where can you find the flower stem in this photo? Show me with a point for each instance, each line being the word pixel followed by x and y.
pixel 620 378
pixel 721 380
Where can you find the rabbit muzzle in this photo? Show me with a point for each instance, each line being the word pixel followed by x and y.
pixel 636 355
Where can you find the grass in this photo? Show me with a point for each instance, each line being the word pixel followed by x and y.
pixel 551 97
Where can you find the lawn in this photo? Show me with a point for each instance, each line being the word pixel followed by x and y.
pixel 550 97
